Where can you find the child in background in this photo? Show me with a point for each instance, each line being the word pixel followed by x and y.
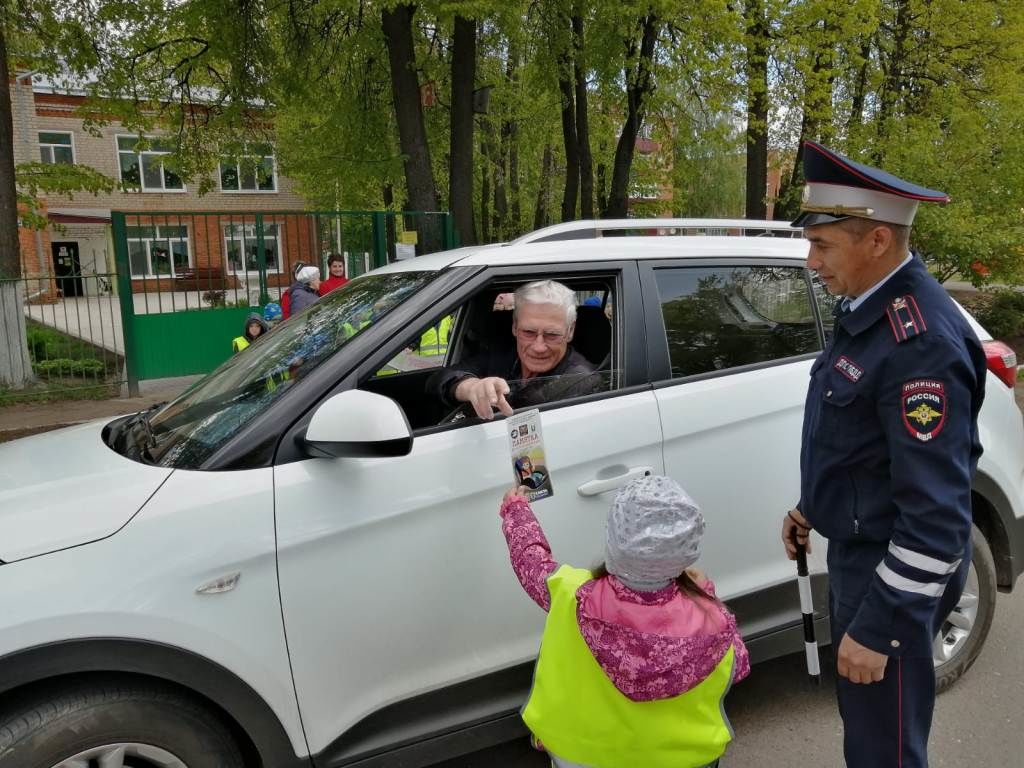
pixel 637 656
pixel 255 326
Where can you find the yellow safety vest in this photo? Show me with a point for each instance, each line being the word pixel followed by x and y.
pixel 434 340
pixel 239 343
pixel 579 714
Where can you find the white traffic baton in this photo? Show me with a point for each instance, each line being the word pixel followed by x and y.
pixel 807 609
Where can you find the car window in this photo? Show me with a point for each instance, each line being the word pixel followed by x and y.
pixel 189 430
pixel 478 340
pixel 428 349
pixel 723 317
pixel 826 305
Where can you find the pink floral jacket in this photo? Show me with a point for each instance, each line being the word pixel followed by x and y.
pixel 651 645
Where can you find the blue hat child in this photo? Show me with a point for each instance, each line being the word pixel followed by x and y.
pixel 838 188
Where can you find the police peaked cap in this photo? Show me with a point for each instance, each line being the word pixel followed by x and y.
pixel 838 188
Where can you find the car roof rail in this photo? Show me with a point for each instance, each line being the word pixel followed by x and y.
pixel 593 228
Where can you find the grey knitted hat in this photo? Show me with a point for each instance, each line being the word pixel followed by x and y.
pixel 653 533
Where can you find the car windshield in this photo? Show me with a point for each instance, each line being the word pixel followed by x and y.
pixel 189 430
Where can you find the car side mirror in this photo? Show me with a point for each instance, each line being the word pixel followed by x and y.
pixel 358 424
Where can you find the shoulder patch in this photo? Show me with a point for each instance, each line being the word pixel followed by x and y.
pixel 923 407
pixel 905 318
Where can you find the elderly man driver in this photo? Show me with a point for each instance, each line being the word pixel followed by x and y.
pixel 541 367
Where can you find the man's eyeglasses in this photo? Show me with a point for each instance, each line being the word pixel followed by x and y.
pixel 550 337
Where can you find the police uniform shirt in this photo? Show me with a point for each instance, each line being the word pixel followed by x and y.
pixel 889 446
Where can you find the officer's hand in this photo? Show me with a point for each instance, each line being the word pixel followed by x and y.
pixel 485 395
pixel 859 664
pixel 794 521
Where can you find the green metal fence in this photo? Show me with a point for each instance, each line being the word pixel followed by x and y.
pixel 187 280
pixel 62 338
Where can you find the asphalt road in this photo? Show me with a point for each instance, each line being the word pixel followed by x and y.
pixel 782 721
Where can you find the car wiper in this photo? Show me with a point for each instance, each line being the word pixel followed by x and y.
pixel 138 433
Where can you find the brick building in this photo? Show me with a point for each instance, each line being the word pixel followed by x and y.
pixel 217 233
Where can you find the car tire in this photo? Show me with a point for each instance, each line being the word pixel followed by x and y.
pixel 963 634
pixel 131 725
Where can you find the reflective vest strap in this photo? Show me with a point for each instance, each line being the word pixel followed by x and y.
pixel 579 714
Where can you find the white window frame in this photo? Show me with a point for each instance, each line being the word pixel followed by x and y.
pixel 50 146
pixel 246 238
pixel 151 275
pixel 238 171
pixel 142 175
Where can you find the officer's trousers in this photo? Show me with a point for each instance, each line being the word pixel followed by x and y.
pixel 885 724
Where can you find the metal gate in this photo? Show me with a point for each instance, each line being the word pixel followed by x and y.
pixel 187 280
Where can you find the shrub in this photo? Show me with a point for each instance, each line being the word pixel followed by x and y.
pixel 214 298
pixel 64 366
pixel 1003 317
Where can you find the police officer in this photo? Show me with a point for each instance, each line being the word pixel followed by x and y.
pixel 890 442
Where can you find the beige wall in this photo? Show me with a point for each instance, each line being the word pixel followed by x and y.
pixel 46 112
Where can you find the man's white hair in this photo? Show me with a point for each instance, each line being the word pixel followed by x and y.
pixel 547 292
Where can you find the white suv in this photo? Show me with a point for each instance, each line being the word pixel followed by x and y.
pixel 298 562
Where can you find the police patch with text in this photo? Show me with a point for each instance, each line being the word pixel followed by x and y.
pixel 923 404
pixel 849 369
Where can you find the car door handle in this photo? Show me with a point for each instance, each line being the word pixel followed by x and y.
pixel 595 487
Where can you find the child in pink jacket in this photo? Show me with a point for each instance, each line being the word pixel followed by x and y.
pixel 652 624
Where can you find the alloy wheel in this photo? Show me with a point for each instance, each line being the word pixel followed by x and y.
pixel 122 756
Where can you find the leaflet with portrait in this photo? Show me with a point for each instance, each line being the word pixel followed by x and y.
pixel 529 463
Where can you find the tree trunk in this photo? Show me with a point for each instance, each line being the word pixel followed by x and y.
pixel 569 139
pixel 485 194
pixel 602 190
pixel 582 120
pixel 511 128
pixel 860 89
pixel 421 190
pixel 495 164
pixel 542 213
pixel 757 109
pixel 639 86
pixel 812 126
pixel 460 179
pixel 892 85
pixel 15 364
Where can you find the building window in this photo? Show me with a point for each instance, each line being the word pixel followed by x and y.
pixel 251 173
pixel 144 168
pixel 56 147
pixel 159 250
pixel 241 247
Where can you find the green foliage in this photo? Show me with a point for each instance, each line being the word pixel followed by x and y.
pixel 64 366
pixel 35 178
pixel 1003 314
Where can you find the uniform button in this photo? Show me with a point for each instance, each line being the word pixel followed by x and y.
pixel 895 643
pixel 829 393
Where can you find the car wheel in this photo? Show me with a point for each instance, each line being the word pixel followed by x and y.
pixel 115 726
pixel 964 631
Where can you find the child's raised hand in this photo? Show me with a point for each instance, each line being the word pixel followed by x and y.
pixel 518 493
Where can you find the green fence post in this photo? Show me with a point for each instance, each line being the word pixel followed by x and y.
pixel 380 239
pixel 450 240
pixel 261 260
pixel 127 302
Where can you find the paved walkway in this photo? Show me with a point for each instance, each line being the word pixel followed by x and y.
pixel 26 419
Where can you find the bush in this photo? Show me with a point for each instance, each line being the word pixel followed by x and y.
pixel 64 366
pixel 1003 316
pixel 214 298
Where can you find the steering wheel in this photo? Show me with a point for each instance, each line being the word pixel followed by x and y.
pixel 462 412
